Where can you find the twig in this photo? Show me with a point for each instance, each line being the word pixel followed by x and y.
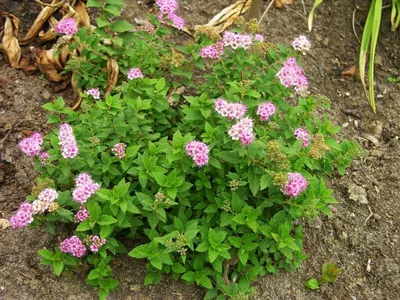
pixel 370 215
pixel 354 26
pixel 304 6
pixel 8 133
pixel 266 10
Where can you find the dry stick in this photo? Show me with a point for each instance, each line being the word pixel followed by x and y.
pixel 370 215
pixel 304 6
pixel 8 133
pixel 354 25
pixel 266 10
pixel 49 4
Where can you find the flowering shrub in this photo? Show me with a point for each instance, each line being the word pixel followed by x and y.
pixel 216 180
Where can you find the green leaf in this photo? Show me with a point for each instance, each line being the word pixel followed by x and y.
pixel 156 262
pixel 106 220
pixel 93 3
pixel 160 84
pixel 122 26
pixel 47 254
pixel 141 251
pixel 211 294
pixel 313 284
pixel 265 181
pixel 84 226
pixel 58 267
pixel 237 203
pixel 254 182
pixel 178 268
pixel 94 209
pixel 189 276
pixel 206 282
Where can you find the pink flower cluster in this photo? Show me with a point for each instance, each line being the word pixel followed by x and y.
pixel 213 51
pixel 236 40
pixel 69 147
pixel 168 9
pixel 81 215
pixel 302 134
pixel 295 185
pixel 301 44
pixel 230 110
pixel 74 246
pixel 95 93
pixel 242 130
pixel 31 145
pixel 198 151
pixel 67 26
pixel 85 188
pixel 23 216
pixel 265 110
pixel 291 75
pixel 119 150
pixel 134 73
pixel 96 243
pixel 45 198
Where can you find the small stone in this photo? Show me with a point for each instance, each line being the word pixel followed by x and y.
pixel 344 235
pixel 46 95
pixel 353 215
pixel 135 287
pixel 4 224
pixel 357 193
pixel 379 96
pixel 347 94
pixel 368 268
pixel 356 123
pixel 346 124
pixel 325 42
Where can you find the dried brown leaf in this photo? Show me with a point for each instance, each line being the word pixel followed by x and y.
pixel 281 3
pixel 228 15
pixel 77 92
pixel 4 224
pixel 113 71
pixel 49 63
pixel 41 19
pixel 11 47
pixel 351 71
pixel 80 8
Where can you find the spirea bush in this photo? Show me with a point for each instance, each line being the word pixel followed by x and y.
pixel 198 153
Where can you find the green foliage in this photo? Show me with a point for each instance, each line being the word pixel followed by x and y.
pixel 329 275
pixel 220 226
pixel 369 41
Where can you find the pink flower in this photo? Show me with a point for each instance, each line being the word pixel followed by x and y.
pixel 74 246
pixel 236 40
pixel 242 130
pixel 198 151
pixel 119 150
pixel 31 145
pixel 23 216
pixel 134 73
pixel 83 179
pixel 67 26
pixel 85 188
pixel 167 6
pixel 40 206
pixel 69 147
pixel 301 44
pixel 265 110
pixel 48 195
pixel 81 215
pixel 295 185
pixel 95 93
pixel 302 134
pixel 213 51
pixel 291 75
pixel 230 110
pixel 177 21
pixel 96 243
pixel 44 156
pixel 259 37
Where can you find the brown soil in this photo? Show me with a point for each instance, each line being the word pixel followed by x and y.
pixel 355 234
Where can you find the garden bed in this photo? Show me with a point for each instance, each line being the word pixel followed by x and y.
pixel 356 235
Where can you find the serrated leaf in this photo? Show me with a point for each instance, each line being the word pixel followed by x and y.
pixel 106 220
pixel 141 251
